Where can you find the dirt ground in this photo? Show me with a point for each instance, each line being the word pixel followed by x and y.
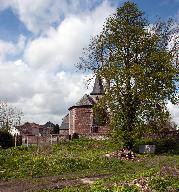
pixel 52 182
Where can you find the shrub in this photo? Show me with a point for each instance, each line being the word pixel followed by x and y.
pixel 75 136
pixel 164 184
pixel 6 139
pixel 164 145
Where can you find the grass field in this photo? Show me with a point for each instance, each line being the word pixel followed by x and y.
pixel 81 165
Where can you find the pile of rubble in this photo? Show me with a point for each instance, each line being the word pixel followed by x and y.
pixel 142 184
pixel 123 154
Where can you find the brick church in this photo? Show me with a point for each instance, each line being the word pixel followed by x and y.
pixel 80 119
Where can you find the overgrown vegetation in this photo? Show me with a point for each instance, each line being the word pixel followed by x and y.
pixel 72 160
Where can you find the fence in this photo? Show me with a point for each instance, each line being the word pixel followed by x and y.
pixel 27 140
pixel 164 134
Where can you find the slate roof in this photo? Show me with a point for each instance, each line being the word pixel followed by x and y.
pixel 49 124
pixel 98 88
pixel 65 122
pixel 85 100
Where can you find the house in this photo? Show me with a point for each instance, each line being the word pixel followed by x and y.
pixel 30 129
pixel 81 118
pixel 48 128
pixel 36 129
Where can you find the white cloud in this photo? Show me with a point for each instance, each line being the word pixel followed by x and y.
pixel 62 47
pixel 38 93
pixel 5 48
pixel 174 110
pixel 53 97
pixel 38 15
pixel 11 49
pixel 42 81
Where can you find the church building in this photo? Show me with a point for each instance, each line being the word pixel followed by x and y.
pixel 80 119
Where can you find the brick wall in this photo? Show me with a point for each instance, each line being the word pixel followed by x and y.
pixel 37 140
pixel 34 131
pixel 63 132
pixel 80 120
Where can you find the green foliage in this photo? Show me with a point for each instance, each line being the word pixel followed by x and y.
pixel 167 146
pixel 67 157
pixel 81 158
pixel 163 145
pixel 69 189
pixel 137 69
pixel 162 184
pixel 6 139
pixel 100 116
pixel 100 187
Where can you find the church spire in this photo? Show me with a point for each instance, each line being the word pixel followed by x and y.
pixel 98 88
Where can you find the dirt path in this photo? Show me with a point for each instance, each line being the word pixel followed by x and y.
pixel 53 182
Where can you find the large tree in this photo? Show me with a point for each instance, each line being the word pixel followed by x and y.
pixel 134 61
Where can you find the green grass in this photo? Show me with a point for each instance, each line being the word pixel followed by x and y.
pixel 80 158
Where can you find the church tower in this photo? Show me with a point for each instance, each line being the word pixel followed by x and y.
pixel 98 88
pixel 80 118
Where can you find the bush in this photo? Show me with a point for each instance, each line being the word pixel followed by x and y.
pixel 164 184
pixel 6 139
pixel 75 136
pixel 164 145
pixel 167 145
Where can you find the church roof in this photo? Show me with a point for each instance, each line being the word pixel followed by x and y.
pixel 85 101
pixel 65 123
pixel 98 88
pixel 90 100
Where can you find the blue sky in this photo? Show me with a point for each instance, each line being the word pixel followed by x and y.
pixel 11 26
pixel 41 40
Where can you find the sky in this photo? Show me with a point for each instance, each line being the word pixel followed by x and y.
pixel 42 40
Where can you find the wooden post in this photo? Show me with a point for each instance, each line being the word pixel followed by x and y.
pixel 37 140
pixel 51 139
pixel 15 140
pixel 57 139
pixel 27 141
